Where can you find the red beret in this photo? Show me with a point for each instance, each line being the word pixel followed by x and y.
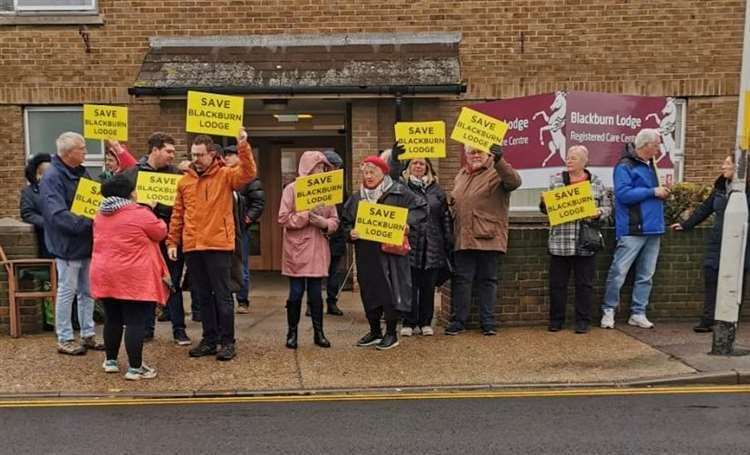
pixel 379 162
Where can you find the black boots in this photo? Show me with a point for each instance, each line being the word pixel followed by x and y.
pixel 390 340
pixel 292 319
pixel 374 336
pixel 334 309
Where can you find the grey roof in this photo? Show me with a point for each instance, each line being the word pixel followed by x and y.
pixel 297 62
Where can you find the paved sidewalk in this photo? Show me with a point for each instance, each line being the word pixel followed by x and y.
pixel 517 355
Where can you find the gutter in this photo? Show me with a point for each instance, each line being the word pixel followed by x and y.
pixel 402 90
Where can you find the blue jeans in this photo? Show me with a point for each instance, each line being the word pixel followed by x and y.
pixel 643 250
pixel 242 296
pixel 72 281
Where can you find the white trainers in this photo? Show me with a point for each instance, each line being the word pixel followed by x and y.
pixel 639 320
pixel 407 331
pixel 427 331
pixel 110 366
pixel 608 319
pixel 144 372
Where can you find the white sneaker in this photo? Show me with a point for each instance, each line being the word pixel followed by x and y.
pixel 639 320
pixel 407 331
pixel 608 319
pixel 110 366
pixel 427 331
pixel 144 372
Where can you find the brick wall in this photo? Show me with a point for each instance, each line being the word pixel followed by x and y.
pixel 523 296
pixel 19 242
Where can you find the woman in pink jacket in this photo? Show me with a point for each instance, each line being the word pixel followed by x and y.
pixel 305 252
pixel 128 272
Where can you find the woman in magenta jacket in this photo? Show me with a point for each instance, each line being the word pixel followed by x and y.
pixel 128 273
pixel 305 253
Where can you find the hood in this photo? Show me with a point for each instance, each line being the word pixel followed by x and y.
pixel 33 165
pixel 309 160
pixel 124 158
pixel 110 205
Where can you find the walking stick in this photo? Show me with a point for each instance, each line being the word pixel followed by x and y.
pixel 343 282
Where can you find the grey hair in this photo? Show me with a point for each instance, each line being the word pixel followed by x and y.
pixel 645 137
pixel 68 141
pixel 580 149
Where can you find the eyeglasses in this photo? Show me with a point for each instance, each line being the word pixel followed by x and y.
pixel 197 155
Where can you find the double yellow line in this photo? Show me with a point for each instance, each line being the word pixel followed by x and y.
pixel 376 396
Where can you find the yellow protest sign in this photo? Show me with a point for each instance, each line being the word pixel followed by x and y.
pixel 569 203
pixel 87 199
pixel 105 122
pixel 381 223
pixel 421 139
pixel 208 113
pixel 478 130
pixel 156 187
pixel 326 188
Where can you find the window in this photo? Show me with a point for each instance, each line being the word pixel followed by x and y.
pixel 42 126
pixel 48 5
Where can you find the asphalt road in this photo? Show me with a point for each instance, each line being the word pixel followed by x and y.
pixel 664 424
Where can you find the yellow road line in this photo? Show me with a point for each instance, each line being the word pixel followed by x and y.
pixel 376 396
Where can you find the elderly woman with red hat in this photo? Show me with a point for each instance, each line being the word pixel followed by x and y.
pixel 384 278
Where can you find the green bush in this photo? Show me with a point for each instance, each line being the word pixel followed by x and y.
pixel 684 199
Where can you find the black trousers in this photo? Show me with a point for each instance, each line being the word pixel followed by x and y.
pixel 422 297
pixel 333 282
pixel 210 273
pixel 559 274
pixel 475 270
pixel 132 315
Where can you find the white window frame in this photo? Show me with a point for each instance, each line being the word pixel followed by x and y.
pixel 92 6
pixel 94 159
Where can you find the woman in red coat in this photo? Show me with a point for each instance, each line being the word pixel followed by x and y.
pixel 128 272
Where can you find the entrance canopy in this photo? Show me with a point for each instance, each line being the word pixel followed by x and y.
pixel 406 64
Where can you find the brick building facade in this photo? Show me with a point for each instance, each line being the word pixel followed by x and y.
pixel 688 49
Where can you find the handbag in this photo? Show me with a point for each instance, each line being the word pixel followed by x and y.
pixel 590 239
pixel 398 250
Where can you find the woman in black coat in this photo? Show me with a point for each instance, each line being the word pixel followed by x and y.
pixel 384 279
pixel 431 245
pixel 31 199
pixel 716 203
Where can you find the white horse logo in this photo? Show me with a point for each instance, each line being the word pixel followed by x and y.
pixel 555 123
pixel 667 125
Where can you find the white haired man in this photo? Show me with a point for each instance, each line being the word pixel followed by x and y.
pixel 639 224
pixel 69 239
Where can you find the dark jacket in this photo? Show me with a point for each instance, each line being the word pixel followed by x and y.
pixel 68 236
pixel 637 209
pixel 337 240
pixel 715 203
pixel 397 268
pixel 163 212
pixel 252 202
pixel 31 203
pixel 432 240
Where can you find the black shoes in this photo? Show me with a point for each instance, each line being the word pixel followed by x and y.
pixel 203 349
pixel 453 329
pixel 582 327
pixel 227 352
pixel 704 327
pixel 291 338
pixel 370 339
pixel 334 310
pixel 388 342
pixel 181 338
pixel 321 340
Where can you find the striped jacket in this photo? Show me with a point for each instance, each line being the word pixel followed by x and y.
pixel 563 238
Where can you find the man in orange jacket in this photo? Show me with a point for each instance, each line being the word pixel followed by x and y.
pixel 203 224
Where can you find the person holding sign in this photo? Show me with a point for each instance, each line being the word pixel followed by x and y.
pixel 117 159
pixel 567 252
pixel 158 163
pixel 305 255
pixel 68 239
pixel 639 225
pixel 479 202
pixel 203 225
pixel 384 278
pixel 431 246
pixel 126 244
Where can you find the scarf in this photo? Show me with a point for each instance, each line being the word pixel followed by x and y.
pixel 374 194
pixel 112 204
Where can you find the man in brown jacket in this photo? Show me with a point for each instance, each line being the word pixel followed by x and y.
pixel 480 201
pixel 203 224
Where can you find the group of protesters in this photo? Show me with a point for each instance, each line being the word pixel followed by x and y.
pixel 132 255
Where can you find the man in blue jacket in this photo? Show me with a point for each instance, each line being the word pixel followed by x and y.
pixel 69 240
pixel 639 224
